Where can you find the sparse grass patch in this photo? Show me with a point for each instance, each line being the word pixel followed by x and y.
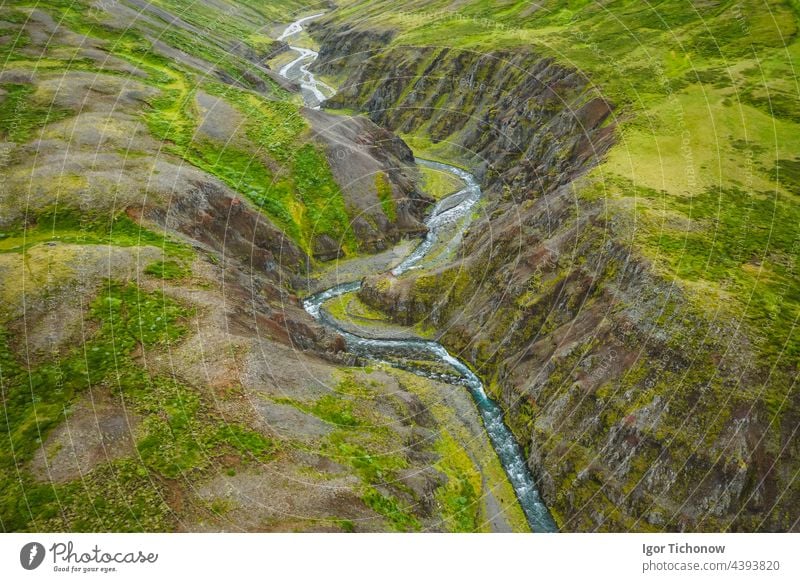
pixel 439 184
pixel 399 517
pixel 170 270
pixel 21 115
pixel 458 497
pixel 36 399
pixel 384 192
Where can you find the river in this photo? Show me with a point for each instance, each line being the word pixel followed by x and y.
pixel 452 213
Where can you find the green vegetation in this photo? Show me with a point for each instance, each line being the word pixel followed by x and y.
pixel 384 191
pixel 168 270
pixel 733 254
pixel 84 228
pixel 708 127
pixel 36 399
pixel 180 435
pixel 331 408
pixel 364 441
pixel 21 115
pixel 326 213
pixel 439 184
pixel 234 19
pixel 399 518
pixel 442 151
pixel 272 163
pixel 301 197
pixel 349 307
pixel 459 496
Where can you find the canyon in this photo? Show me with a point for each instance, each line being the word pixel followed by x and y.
pixel 385 267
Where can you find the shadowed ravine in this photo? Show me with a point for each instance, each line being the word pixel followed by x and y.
pixel 455 209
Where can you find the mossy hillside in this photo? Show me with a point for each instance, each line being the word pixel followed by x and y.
pixel 463 458
pixel 181 437
pixel 35 400
pixel 384 191
pixel 276 167
pixel 54 225
pixel 364 439
pixel 701 177
pixel 741 250
pixel 687 406
pixel 235 20
pixel 686 388
pixel 301 196
pixel 225 24
pixel 678 422
pixel 21 115
pixel 59 256
pixel 618 45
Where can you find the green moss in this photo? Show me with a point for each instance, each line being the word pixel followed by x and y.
pixel 439 184
pixel 36 399
pixel 399 517
pixel 384 192
pixel 459 496
pixel 66 225
pixel 350 307
pixel 332 408
pixel 21 115
pixel 322 197
pixel 117 497
pixel 170 270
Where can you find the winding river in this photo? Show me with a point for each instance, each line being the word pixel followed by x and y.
pixel 450 213
pixel 297 70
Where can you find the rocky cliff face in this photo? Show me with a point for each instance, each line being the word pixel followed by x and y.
pixel 637 410
pixel 523 123
pixel 363 155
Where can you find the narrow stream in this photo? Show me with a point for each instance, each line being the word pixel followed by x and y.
pixel 454 210
pixel 297 70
